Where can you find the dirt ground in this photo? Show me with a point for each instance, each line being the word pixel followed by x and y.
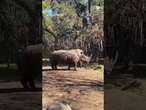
pixel 133 98
pixel 13 97
pixel 82 89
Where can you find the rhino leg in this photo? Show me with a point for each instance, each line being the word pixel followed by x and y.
pixel 80 64
pixel 54 65
pixel 69 67
pixel 31 83
pixel 24 83
pixel 75 66
pixel 28 83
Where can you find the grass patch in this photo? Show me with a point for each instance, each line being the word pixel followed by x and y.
pixel 8 73
pixel 11 66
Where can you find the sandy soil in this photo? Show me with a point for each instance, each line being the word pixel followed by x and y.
pixel 82 89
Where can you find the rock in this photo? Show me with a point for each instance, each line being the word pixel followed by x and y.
pixel 59 106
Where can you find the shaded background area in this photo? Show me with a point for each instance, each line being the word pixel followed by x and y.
pixel 124 29
pixel 20 26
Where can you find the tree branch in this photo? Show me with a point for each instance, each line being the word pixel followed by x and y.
pixel 49 31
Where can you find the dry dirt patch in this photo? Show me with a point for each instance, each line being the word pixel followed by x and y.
pixel 82 89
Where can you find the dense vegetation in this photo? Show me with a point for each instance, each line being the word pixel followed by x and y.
pixel 71 26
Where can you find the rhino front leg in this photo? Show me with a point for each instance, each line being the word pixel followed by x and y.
pixel 80 64
pixel 75 66
pixel 32 84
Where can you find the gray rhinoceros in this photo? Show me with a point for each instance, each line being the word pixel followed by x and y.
pixel 68 57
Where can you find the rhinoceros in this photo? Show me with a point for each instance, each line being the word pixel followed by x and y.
pixel 68 57
pixel 29 64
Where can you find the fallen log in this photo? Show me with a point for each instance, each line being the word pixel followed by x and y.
pixel 131 84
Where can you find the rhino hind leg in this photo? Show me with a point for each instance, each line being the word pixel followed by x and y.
pixel 54 66
pixel 28 83
pixel 69 67
pixel 75 66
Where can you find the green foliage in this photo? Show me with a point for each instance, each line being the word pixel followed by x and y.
pixel 67 25
pixel 63 22
pixel 45 5
pixel 98 2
